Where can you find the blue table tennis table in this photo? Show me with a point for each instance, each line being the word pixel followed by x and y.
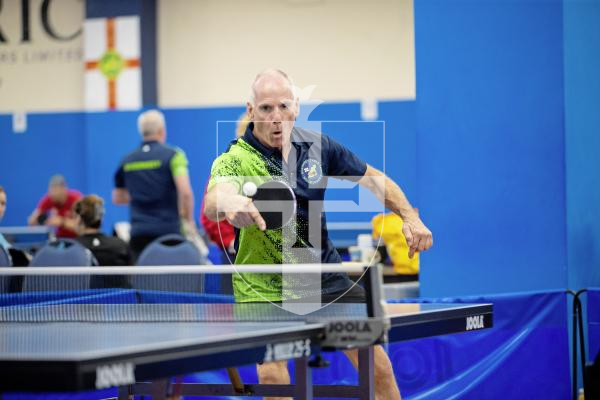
pixel 27 238
pixel 137 341
pixel 71 356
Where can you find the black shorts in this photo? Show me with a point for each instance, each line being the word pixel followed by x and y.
pixel 356 294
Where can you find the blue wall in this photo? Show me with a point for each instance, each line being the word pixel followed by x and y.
pixel 490 145
pixel 582 132
pixel 53 143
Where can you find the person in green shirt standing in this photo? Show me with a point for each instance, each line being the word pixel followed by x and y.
pixel 154 181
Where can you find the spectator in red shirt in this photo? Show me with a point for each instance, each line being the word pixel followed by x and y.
pixel 222 233
pixel 56 208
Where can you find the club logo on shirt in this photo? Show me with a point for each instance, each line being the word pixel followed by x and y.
pixel 311 171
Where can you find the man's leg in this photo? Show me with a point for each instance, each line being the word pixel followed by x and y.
pixel 273 373
pixel 386 387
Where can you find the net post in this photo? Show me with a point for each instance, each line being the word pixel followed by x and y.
pixel 374 291
pixel 124 393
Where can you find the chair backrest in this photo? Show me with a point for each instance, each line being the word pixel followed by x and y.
pixel 64 253
pixel 170 250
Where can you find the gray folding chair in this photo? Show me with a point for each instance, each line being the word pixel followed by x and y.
pixel 170 250
pixel 63 253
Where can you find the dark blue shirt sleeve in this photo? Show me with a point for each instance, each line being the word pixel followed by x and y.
pixel 120 178
pixel 343 162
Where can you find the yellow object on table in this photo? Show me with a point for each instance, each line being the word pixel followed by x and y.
pixel 389 228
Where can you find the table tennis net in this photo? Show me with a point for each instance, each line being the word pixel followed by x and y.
pixel 147 297
pixel 17 283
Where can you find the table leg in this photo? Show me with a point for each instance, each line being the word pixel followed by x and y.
pixel 236 380
pixel 160 389
pixel 303 385
pixel 124 392
pixel 366 373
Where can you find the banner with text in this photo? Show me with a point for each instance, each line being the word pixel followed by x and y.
pixel 41 56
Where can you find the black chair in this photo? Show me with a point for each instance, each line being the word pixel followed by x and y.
pixel 5 261
pixel 592 371
pixel 170 250
pixel 20 258
pixel 14 284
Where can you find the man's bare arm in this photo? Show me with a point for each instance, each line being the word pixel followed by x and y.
pixel 418 237
pixel 33 218
pixel 219 191
pixel 222 202
pixel 185 197
pixel 69 223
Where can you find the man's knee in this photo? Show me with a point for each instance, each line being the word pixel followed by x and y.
pixel 273 373
pixel 384 373
pixel 385 381
pixel 384 377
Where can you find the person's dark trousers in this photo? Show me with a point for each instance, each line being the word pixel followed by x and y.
pixel 226 281
pixel 137 244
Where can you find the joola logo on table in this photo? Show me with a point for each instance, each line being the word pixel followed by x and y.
pixel 475 322
pixel 350 326
pixel 114 375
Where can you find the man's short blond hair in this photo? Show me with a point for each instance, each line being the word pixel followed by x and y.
pixel 150 123
pixel 271 72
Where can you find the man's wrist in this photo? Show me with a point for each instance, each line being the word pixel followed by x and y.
pixel 409 214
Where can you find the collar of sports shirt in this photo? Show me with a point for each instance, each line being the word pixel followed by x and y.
pixel 266 150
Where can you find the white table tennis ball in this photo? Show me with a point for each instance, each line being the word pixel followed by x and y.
pixel 249 189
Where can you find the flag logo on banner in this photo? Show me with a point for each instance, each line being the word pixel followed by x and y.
pixel 113 76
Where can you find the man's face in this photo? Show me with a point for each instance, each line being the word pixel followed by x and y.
pixel 2 204
pixel 273 112
pixel 57 193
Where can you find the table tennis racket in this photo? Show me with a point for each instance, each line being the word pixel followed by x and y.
pixel 274 200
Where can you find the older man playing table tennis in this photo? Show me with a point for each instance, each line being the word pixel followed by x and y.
pixel 273 148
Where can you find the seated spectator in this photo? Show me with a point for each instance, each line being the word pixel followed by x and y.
pixel 108 250
pixel 3 242
pixel 55 208
pixel 389 228
pixel 19 258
